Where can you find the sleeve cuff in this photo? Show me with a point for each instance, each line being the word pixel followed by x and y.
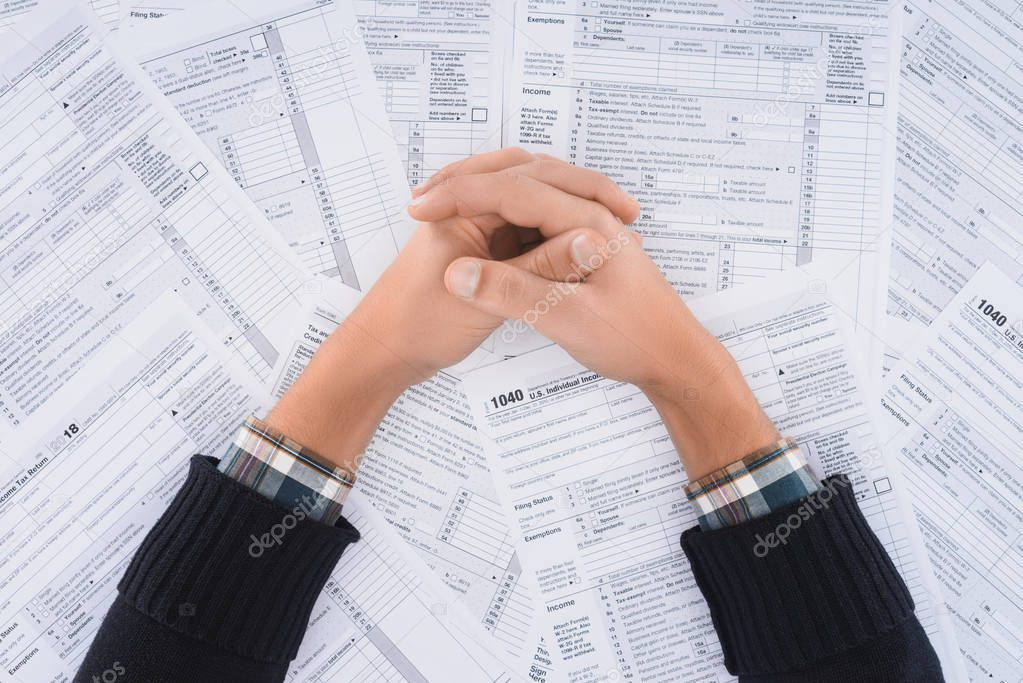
pixel 768 479
pixel 849 591
pixel 285 472
pixel 226 566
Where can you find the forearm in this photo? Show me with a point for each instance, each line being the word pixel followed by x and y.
pixel 220 589
pixel 337 403
pixel 808 593
pixel 710 412
pixel 271 508
pixel 799 587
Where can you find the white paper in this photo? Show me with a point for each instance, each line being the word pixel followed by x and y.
pixel 384 616
pixel 425 471
pixel 586 468
pixel 12 11
pixel 107 200
pixel 440 75
pixel 109 11
pixel 960 156
pixel 82 487
pixel 285 97
pixel 438 72
pixel 756 138
pixel 954 410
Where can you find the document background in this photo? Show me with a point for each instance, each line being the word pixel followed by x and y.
pixel 585 466
pixel 953 415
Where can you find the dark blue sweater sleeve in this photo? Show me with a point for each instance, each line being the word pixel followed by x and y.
pixel 808 593
pixel 823 604
pixel 203 600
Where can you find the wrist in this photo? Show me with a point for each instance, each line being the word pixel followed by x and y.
pixel 712 416
pixel 336 405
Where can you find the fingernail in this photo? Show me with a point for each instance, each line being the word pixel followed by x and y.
pixel 418 189
pixel 584 252
pixel 464 278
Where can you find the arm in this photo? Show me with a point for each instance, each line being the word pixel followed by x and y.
pixel 826 605
pixel 222 586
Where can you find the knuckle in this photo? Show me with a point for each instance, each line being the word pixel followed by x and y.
pixel 510 186
pixel 510 176
pixel 510 285
pixel 519 154
pixel 543 263
pixel 548 166
pixel 455 188
pixel 599 215
pixel 466 206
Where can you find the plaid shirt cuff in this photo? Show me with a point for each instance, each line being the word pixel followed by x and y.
pixel 764 481
pixel 288 474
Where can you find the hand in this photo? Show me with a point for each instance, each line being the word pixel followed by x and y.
pixel 408 326
pixel 626 322
pixel 490 207
pixel 608 322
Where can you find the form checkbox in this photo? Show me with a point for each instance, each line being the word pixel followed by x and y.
pixel 875 99
pixel 258 42
pixel 479 114
pixel 198 171
pixel 882 485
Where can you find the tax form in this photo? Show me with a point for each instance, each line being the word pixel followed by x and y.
pixel 383 615
pixel 84 480
pixel 441 77
pixel 87 482
pixel 756 138
pixel 960 156
pixel 286 99
pixel 954 409
pixel 586 469
pixel 435 61
pixel 109 11
pixel 107 200
pixel 10 12
pixel 426 473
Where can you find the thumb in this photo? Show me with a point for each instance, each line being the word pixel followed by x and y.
pixel 504 290
pixel 568 257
